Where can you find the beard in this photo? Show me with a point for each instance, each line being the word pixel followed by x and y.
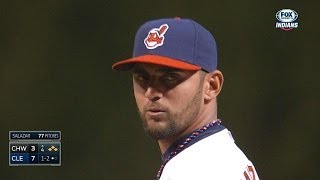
pixel 169 123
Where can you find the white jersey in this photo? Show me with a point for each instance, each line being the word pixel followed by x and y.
pixel 215 157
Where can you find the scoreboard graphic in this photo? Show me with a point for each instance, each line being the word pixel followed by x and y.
pixel 34 148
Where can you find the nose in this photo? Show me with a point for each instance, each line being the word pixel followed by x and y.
pixel 153 94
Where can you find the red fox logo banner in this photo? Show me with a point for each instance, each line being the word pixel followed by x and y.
pixel 155 37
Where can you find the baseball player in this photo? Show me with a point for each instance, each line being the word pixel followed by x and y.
pixel 176 83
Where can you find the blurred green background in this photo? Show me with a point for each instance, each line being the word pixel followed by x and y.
pixel 55 74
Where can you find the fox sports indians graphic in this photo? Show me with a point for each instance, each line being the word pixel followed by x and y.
pixel 286 19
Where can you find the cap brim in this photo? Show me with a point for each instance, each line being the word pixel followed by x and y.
pixel 126 65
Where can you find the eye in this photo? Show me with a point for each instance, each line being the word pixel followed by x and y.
pixel 170 77
pixel 141 78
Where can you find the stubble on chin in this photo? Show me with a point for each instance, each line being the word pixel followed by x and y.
pixel 171 124
pixel 157 128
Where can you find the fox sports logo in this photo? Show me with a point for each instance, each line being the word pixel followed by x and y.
pixel 286 19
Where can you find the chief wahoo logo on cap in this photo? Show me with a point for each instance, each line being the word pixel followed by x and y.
pixel 155 37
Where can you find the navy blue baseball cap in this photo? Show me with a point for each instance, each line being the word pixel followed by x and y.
pixel 177 43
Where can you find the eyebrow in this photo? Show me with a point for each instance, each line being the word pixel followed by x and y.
pixel 161 70
pixel 167 70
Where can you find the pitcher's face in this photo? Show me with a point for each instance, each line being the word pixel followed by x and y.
pixel 168 99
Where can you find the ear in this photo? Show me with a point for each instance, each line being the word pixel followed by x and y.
pixel 213 84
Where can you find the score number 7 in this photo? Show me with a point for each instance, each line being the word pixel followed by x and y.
pixel 32 158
